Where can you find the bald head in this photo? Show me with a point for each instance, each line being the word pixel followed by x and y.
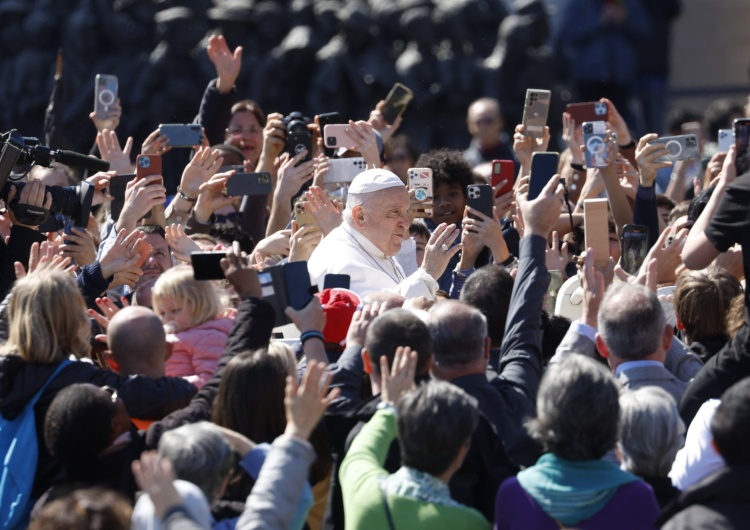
pixel 484 121
pixel 137 341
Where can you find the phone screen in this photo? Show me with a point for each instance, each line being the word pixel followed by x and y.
pixel 207 266
pixel 742 143
pixel 635 246
pixel 543 167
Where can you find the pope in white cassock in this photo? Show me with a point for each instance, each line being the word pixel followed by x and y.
pixel 376 220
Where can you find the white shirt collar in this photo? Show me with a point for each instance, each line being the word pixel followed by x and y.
pixel 635 364
pixel 366 244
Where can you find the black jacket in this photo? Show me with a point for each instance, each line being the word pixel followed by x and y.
pixel 720 501
pixel 144 398
pixel 18 249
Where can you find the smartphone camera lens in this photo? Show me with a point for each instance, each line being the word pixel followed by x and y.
pixel 588 128
pixel 144 162
pixel 331 140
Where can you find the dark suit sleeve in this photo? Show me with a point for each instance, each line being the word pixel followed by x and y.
pixel 215 112
pixel 521 353
pixel 646 213
pixel 252 330
pixel 347 377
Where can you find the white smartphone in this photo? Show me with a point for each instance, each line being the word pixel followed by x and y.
pixel 420 179
pixel 343 170
pixel 726 139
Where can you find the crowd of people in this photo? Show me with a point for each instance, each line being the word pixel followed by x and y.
pixel 448 367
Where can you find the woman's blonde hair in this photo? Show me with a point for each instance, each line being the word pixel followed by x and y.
pixel 47 319
pixel 202 299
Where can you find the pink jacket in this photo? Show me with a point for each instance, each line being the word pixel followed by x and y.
pixel 196 351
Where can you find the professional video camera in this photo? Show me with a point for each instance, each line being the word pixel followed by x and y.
pixel 73 202
pixel 298 137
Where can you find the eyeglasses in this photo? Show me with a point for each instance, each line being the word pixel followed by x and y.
pixel 485 120
pixel 240 131
pixel 112 392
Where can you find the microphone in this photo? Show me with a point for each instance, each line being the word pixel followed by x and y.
pixel 79 161
pixel 44 156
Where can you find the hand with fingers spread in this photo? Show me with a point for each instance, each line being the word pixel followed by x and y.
pixel 124 254
pixel 129 277
pixel 240 273
pixel 179 242
pixel 227 63
pixel 400 379
pixel 43 256
pixel 155 476
pixel 323 164
pixel 326 215
pixel 211 197
pixel 668 253
pixel 556 256
pixel 303 241
pixel 360 323
pixel 524 146
pixel 592 282
pixel 155 143
pixel 79 246
pixel 377 120
pixel 438 252
pixel 293 176
pixel 573 137
pixel 201 168
pixel 110 150
pixel 541 214
pixel 646 155
pixel 111 121
pixel 140 197
pixel 306 404
pixel 108 310
pixel 488 231
pixel 277 244
pixel 34 196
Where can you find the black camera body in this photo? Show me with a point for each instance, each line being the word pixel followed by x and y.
pixel 298 137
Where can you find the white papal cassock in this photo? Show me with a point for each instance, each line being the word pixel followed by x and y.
pixel 347 251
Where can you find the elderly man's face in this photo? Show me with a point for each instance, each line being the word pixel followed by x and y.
pixel 484 122
pixel 386 219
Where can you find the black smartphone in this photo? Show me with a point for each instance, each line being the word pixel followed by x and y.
pixel 543 167
pixel 249 184
pixel 207 266
pixel 336 281
pixel 635 246
pixel 742 144
pixel 296 142
pixel 284 286
pixel 396 102
pixel 117 185
pixel 479 197
pixel 182 135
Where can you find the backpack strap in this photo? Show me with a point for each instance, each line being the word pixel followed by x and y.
pixel 39 393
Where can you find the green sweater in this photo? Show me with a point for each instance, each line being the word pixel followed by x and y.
pixel 363 506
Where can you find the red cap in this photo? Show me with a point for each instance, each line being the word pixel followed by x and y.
pixel 339 306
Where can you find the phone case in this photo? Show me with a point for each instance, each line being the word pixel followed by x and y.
pixel 249 184
pixel 594 133
pixel 182 135
pixel 117 185
pixel 595 215
pixel 207 266
pixel 742 144
pixel 635 247
pixel 683 147
pixel 543 167
pixel 535 112
pixel 297 141
pixel 479 197
pixel 302 216
pixel 396 102
pixel 503 170
pixel 105 94
pixel 420 179
pixel 147 165
pixel 726 139
pixel 343 170
pixel 335 136
pixel 588 111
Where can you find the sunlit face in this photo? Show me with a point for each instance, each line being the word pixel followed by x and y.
pixel 175 313
pixel 158 260
pixel 246 133
pixel 386 219
pixel 448 203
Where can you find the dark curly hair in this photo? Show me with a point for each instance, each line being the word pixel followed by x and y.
pixel 448 167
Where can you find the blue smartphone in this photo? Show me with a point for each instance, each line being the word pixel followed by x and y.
pixel 543 167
